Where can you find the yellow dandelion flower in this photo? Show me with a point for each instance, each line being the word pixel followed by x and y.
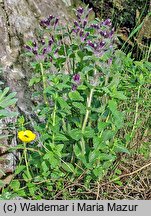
pixel 26 136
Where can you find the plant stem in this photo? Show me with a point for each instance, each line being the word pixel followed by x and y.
pixel 89 100
pixel 54 120
pixel 136 111
pixel 44 83
pixel 26 161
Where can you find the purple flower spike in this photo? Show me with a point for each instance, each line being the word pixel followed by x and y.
pixel 80 10
pixel 56 21
pixel 74 87
pixel 106 34
pixel 88 13
pixel 51 17
pixel 111 33
pixel 107 22
pixel 81 33
pixel 47 22
pixel 85 36
pixel 42 41
pixel 96 26
pixel 50 42
pixel 84 23
pixel 34 51
pixel 109 61
pixel 50 59
pixel 74 30
pixel 102 43
pixel 78 16
pixel 76 78
pixel 102 33
pixel 91 44
pixel 76 23
pixel 27 47
pixel 42 23
pixel 56 51
pixel 44 50
pixel 34 43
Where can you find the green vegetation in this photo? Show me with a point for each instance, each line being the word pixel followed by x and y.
pixel 93 114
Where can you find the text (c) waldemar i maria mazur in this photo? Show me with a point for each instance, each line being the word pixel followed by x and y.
pixel 107 207
pixel 81 207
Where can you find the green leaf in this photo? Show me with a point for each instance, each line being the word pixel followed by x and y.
pixel 87 69
pixel 68 167
pixel 32 188
pixel 34 80
pixel 63 103
pixel 108 135
pixel 141 79
pixel 99 144
pixel 3 93
pixel 44 166
pixel 3 137
pixel 112 105
pixel 21 193
pixel 60 137
pixel 88 132
pixel 118 182
pixel 79 106
pixel 118 95
pixel 120 149
pixel 102 125
pixel 82 87
pixel 118 116
pixel 6 113
pixel 59 147
pixel 94 156
pixel 21 120
pixel 75 96
pixel 99 172
pixel 11 95
pixel 7 102
pixel 15 185
pixel 77 150
pixel 19 169
pixel 75 134
pixel 61 86
pixel 80 54
pixel 53 160
pixel 104 157
pixel 79 155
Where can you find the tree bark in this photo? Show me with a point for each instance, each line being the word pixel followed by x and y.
pixel 19 20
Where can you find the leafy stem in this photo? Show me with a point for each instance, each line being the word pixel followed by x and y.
pixel 54 120
pixel 26 161
pixel 89 100
pixel 136 110
pixel 44 83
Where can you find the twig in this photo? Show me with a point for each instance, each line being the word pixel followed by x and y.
pixel 129 174
pixel 98 191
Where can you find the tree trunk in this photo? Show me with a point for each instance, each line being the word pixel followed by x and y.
pixel 19 20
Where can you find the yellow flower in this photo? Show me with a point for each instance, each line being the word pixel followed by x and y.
pixel 26 136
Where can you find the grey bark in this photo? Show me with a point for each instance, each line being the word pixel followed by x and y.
pixel 19 20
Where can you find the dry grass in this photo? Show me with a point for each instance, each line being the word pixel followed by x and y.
pixel 135 178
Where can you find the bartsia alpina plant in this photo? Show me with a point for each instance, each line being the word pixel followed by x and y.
pixel 74 69
pixel 99 35
pixel 81 88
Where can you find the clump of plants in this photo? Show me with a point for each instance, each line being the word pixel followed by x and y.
pixel 77 72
